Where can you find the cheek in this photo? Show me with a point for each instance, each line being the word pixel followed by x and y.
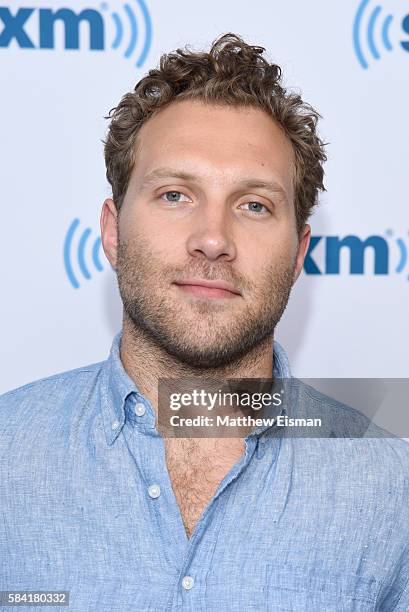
pixel 165 248
pixel 280 248
pixel 166 241
pixel 138 228
pixel 161 250
pixel 289 244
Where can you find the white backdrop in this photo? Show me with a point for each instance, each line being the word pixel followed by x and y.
pixel 52 172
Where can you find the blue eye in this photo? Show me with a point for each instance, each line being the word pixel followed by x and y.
pixel 174 193
pixel 256 212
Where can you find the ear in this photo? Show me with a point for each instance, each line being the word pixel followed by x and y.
pixel 304 242
pixel 109 230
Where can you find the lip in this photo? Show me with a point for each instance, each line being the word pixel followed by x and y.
pixel 207 288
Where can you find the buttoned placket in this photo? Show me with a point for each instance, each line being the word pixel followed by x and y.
pixel 181 553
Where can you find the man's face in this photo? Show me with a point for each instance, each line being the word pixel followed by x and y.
pixel 212 225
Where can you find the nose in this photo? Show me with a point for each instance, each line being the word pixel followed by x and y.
pixel 211 234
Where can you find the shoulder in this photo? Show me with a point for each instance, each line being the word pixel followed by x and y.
pixel 339 419
pixel 357 448
pixel 61 381
pixel 47 398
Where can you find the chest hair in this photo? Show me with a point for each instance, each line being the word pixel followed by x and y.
pixel 196 467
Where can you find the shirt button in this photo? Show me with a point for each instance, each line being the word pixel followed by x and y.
pixel 188 582
pixel 115 425
pixel 140 409
pixel 154 491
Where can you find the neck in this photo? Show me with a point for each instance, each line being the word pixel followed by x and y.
pixel 145 362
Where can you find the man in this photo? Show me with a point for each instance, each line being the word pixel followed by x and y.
pixel 214 170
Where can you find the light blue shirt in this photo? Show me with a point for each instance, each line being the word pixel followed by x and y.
pixel 87 506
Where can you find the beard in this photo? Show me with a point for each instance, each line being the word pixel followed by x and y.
pixel 203 334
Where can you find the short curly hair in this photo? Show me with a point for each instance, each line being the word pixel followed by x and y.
pixel 231 73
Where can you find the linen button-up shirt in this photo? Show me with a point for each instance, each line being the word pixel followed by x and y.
pixel 87 506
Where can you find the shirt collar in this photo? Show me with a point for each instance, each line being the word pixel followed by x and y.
pixel 116 386
pixel 281 370
pixel 281 364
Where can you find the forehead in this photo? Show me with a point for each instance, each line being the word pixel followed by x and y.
pixel 222 143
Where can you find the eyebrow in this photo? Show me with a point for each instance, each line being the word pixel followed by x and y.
pixel 248 183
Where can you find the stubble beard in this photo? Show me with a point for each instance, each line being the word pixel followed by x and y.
pixel 199 333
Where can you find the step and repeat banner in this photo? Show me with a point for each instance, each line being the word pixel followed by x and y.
pixel 65 63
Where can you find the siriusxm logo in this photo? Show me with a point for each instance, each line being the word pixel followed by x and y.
pixel 326 255
pixel 16 23
pixel 334 250
pixel 76 250
pixel 369 20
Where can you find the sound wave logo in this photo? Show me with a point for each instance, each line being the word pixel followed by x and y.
pixel 360 32
pixel 78 253
pixel 129 17
pixel 131 28
pixel 402 251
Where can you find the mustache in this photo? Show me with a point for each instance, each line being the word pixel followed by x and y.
pixel 213 275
